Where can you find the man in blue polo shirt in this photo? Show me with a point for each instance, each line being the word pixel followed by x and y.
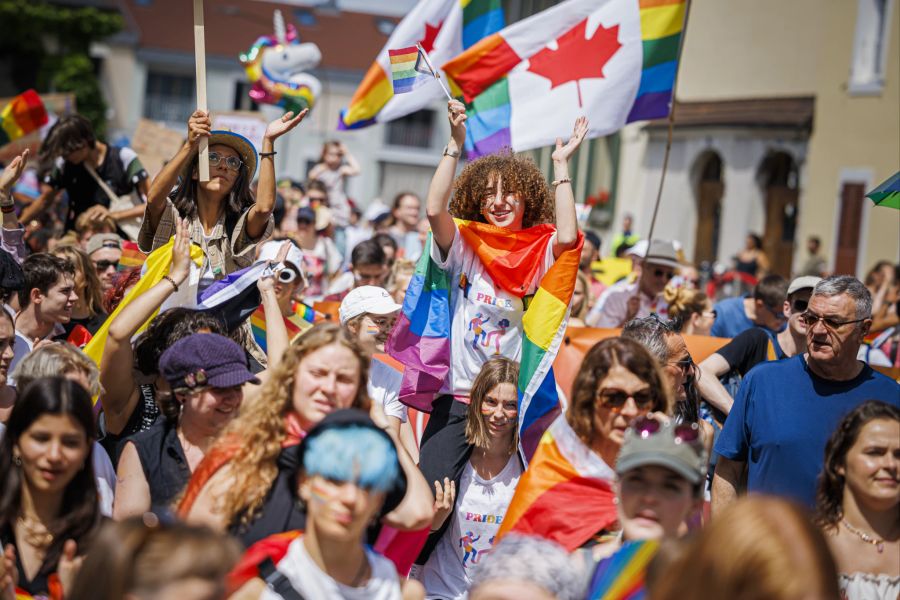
pixel 763 309
pixel 786 410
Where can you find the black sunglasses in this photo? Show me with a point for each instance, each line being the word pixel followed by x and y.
pixel 103 265
pixel 798 306
pixel 663 273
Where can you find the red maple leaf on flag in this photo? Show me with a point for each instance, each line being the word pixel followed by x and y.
pixel 576 57
pixel 431 32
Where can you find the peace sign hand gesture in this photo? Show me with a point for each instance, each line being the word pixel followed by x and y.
pixel 563 152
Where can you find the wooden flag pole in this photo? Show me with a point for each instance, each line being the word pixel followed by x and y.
pixel 200 60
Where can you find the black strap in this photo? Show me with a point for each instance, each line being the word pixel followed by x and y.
pixel 277 581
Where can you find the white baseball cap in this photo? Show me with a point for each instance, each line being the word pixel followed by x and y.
pixel 269 251
pixel 367 299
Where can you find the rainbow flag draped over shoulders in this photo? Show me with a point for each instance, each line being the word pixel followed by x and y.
pixel 621 576
pixel 566 493
pixel 24 113
pixel 613 61
pixel 543 329
pixel 421 338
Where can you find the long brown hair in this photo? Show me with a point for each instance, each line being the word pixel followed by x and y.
pixel 596 366
pixel 260 428
pixel 830 493
pixel 493 372
pixel 757 549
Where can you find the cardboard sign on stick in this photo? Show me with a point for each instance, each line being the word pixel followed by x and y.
pixel 200 60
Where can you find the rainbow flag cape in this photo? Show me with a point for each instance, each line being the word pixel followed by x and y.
pixel 613 61
pixel 621 576
pixel 409 69
pixel 302 319
pixel 566 493
pixel 24 113
pixel 543 330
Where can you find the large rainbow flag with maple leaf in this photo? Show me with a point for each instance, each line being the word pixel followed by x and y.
pixel 444 28
pixel 613 61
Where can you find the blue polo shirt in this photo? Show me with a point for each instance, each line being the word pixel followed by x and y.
pixel 782 417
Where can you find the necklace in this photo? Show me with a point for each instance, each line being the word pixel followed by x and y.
pixel 35 533
pixel 869 539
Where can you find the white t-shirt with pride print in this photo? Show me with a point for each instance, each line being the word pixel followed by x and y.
pixel 486 320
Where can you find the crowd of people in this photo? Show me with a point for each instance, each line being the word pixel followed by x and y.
pixel 201 396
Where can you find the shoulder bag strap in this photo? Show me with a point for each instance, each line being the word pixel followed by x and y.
pixel 103 186
pixel 277 581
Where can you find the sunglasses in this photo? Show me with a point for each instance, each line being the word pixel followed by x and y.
pixel 684 433
pixel 104 265
pixel 686 365
pixel 775 313
pixel 663 273
pixel 798 306
pixel 616 399
pixel 232 162
pixel 810 319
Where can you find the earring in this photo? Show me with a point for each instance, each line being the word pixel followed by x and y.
pixel 17 460
pixel 615 499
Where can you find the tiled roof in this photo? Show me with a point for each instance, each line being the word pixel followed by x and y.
pixel 348 40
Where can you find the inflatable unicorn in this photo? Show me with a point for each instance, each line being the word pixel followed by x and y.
pixel 275 66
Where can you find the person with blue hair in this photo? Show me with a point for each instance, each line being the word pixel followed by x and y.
pixel 349 470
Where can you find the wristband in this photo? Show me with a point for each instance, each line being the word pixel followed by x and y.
pixel 265 154
pixel 172 281
pixel 561 181
pixel 8 208
pixel 451 153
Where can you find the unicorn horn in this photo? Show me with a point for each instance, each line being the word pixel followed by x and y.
pixel 280 29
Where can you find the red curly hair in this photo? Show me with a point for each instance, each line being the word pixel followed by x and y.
pixel 519 174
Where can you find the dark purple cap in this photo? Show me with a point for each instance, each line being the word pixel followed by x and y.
pixel 205 360
pixel 307 214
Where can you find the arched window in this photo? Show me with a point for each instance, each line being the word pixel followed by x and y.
pixel 710 189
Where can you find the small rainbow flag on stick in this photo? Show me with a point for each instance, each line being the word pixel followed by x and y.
pixel 410 68
pixel 25 113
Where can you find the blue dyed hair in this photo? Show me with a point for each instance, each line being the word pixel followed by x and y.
pixel 353 453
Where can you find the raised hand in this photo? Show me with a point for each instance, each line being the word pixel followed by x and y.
pixel 456 114
pixel 285 123
pixel 444 500
pixel 181 251
pixel 199 125
pixel 563 152
pixel 9 573
pixel 69 565
pixel 266 281
pixel 13 171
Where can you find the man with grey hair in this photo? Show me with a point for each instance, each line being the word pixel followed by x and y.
pixel 520 566
pixel 785 411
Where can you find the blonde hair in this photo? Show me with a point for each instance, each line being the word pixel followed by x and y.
pixel 580 312
pixel 260 428
pixel 401 266
pixel 774 553
pixel 84 223
pixel 493 372
pixel 58 359
pixel 684 302
pixel 93 291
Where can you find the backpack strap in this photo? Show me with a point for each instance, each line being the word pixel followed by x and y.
pixel 277 581
pixel 770 351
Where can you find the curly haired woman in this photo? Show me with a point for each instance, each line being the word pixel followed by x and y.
pixel 509 195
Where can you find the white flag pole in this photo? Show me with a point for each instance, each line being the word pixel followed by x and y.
pixel 200 60
pixel 433 71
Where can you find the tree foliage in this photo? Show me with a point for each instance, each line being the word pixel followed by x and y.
pixel 46 46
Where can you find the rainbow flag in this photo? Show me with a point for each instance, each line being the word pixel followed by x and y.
pixel 409 69
pixel 302 319
pixel 421 338
pixel 131 256
pixel 613 62
pixel 24 113
pixel 543 330
pixel 565 495
pixel 621 576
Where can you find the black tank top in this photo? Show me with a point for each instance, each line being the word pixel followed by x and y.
pixel 162 458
